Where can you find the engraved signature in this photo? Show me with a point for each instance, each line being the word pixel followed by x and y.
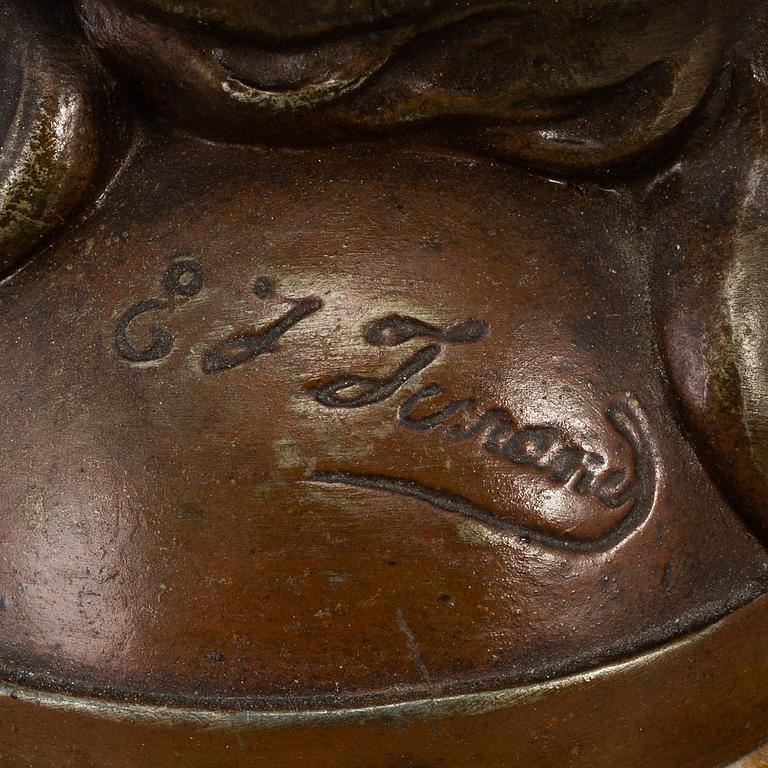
pixel 625 416
pixel 543 448
pixel 546 448
pixel 184 279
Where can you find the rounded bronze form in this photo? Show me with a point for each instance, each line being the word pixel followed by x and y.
pixel 383 410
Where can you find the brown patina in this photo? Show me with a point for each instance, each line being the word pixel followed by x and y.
pixel 384 383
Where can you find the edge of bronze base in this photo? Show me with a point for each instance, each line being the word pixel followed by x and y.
pixel 699 702
pixel 756 759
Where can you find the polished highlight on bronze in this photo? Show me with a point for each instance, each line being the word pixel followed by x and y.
pixel 384 383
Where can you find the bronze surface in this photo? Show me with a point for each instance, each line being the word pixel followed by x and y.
pixel 384 384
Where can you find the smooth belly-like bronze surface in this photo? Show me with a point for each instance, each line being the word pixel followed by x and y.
pixel 382 450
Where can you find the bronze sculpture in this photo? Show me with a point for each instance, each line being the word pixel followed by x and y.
pixel 383 383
